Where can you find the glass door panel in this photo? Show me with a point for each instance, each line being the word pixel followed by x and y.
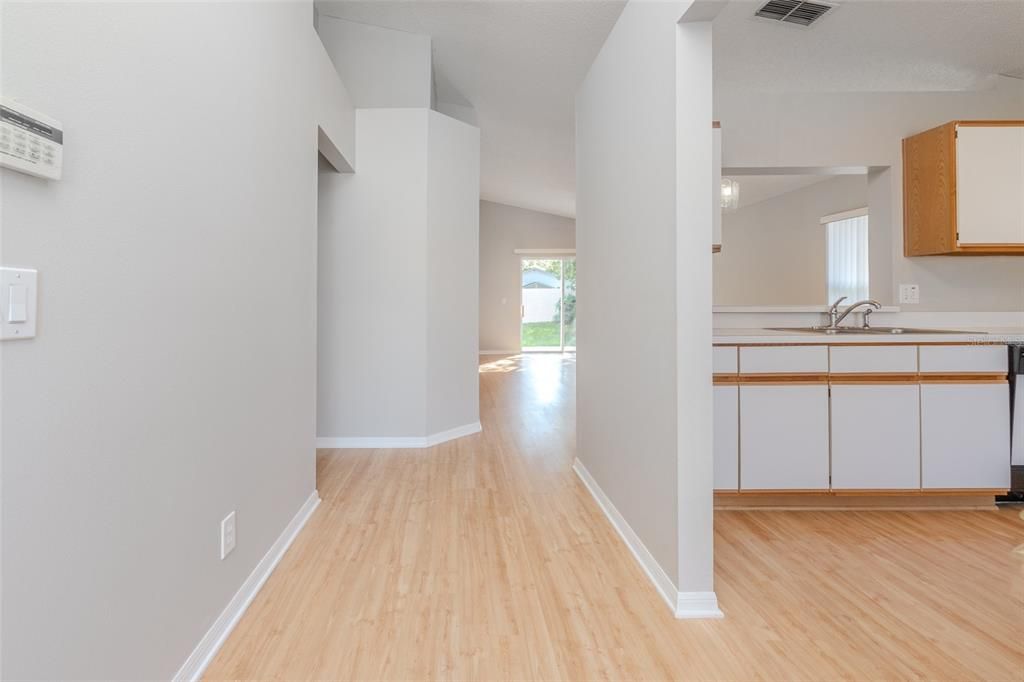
pixel 569 304
pixel 548 307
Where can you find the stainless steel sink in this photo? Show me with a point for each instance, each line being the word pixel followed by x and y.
pixel 870 330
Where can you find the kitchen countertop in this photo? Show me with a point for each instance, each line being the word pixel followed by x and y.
pixel 744 337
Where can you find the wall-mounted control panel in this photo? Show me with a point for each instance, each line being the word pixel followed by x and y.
pixel 29 141
pixel 17 303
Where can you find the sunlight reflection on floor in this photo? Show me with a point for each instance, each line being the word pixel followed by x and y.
pixel 543 373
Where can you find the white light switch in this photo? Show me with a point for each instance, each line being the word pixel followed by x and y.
pixel 17 307
pixel 17 303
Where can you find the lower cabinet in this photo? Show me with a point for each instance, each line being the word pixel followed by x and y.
pixel 876 441
pixel 726 435
pixel 965 436
pixel 784 437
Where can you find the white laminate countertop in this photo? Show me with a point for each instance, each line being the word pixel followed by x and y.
pixel 744 337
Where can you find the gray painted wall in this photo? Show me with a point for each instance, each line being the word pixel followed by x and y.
pixel 626 218
pixel 829 129
pixel 503 229
pixel 774 252
pixel 382 67
pixel 173 377
pixel 398 279
pixel 372 314
pixel 453 242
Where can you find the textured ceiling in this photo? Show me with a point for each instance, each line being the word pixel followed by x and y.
pixel 519 65
pixel 871 46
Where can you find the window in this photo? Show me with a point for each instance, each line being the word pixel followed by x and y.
pixel 847 268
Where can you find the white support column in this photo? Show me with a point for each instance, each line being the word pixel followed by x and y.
pixel 695 506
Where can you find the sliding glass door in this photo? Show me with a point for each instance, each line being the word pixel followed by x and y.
pixel 548 307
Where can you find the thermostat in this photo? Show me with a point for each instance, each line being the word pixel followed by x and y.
pixel 29 141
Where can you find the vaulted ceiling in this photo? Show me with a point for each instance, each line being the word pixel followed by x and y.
pixel 518 63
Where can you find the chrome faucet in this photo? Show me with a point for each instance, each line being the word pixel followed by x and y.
pixel 835 317
pixel 833 312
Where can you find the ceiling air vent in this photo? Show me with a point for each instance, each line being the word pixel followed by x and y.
pixel 793 11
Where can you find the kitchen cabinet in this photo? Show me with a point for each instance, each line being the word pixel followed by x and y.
pixel 875 436
pixel 861 417
pixel 963 189
pixel 966 360
pixel 784 436
pixel 727 437
pixel 784 360
pixel 965 435
pixel 724 364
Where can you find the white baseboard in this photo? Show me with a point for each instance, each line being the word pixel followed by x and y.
pixel 697 605
pixel 218 633
pixel 682 604
pixel 501 352
pixel 412 442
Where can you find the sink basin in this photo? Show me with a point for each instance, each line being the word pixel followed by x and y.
pixel 870 330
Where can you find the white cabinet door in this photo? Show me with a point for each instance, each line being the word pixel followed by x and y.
pixel 784 359
pixel 990 184
pixel 965 436
pixel 983 359
pixel 784 437
pixel 876 437
pixel 724 359
pixel 727 435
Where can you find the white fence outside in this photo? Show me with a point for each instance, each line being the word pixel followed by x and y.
pixel 541 305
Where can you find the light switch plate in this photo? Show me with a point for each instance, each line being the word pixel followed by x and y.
pixel 17 303
pixel 227 535
pixel 910 293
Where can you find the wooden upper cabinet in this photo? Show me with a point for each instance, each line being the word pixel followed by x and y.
pixel 963 189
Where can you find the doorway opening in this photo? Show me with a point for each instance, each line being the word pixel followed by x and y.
pixel 548 304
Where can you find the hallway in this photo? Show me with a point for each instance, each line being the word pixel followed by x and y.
pixel 486 558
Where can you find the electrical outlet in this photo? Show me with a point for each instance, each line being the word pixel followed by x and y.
pixel 227 535
pixel 910 293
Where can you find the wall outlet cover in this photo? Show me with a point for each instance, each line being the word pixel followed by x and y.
pixel 227 535
pixel 910 293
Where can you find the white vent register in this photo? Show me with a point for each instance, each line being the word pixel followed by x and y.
pixel 30 142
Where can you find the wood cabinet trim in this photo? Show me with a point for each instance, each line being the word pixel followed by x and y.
pixel 1010 123
pixel 874 378
pixel 788 379
pixel 866 492
pixel 930 194
pixel 841 344
pixel 963 378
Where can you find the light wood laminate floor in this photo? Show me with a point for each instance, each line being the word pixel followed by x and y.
pixel 485 559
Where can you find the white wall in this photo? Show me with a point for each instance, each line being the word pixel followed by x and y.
pixel 381 67
pixel 635 227
pixel 829 129
pixel 774 252
pixel 453 242
pixel 398 280
pixel 172 380
pixel 372 312
pixel 503 229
